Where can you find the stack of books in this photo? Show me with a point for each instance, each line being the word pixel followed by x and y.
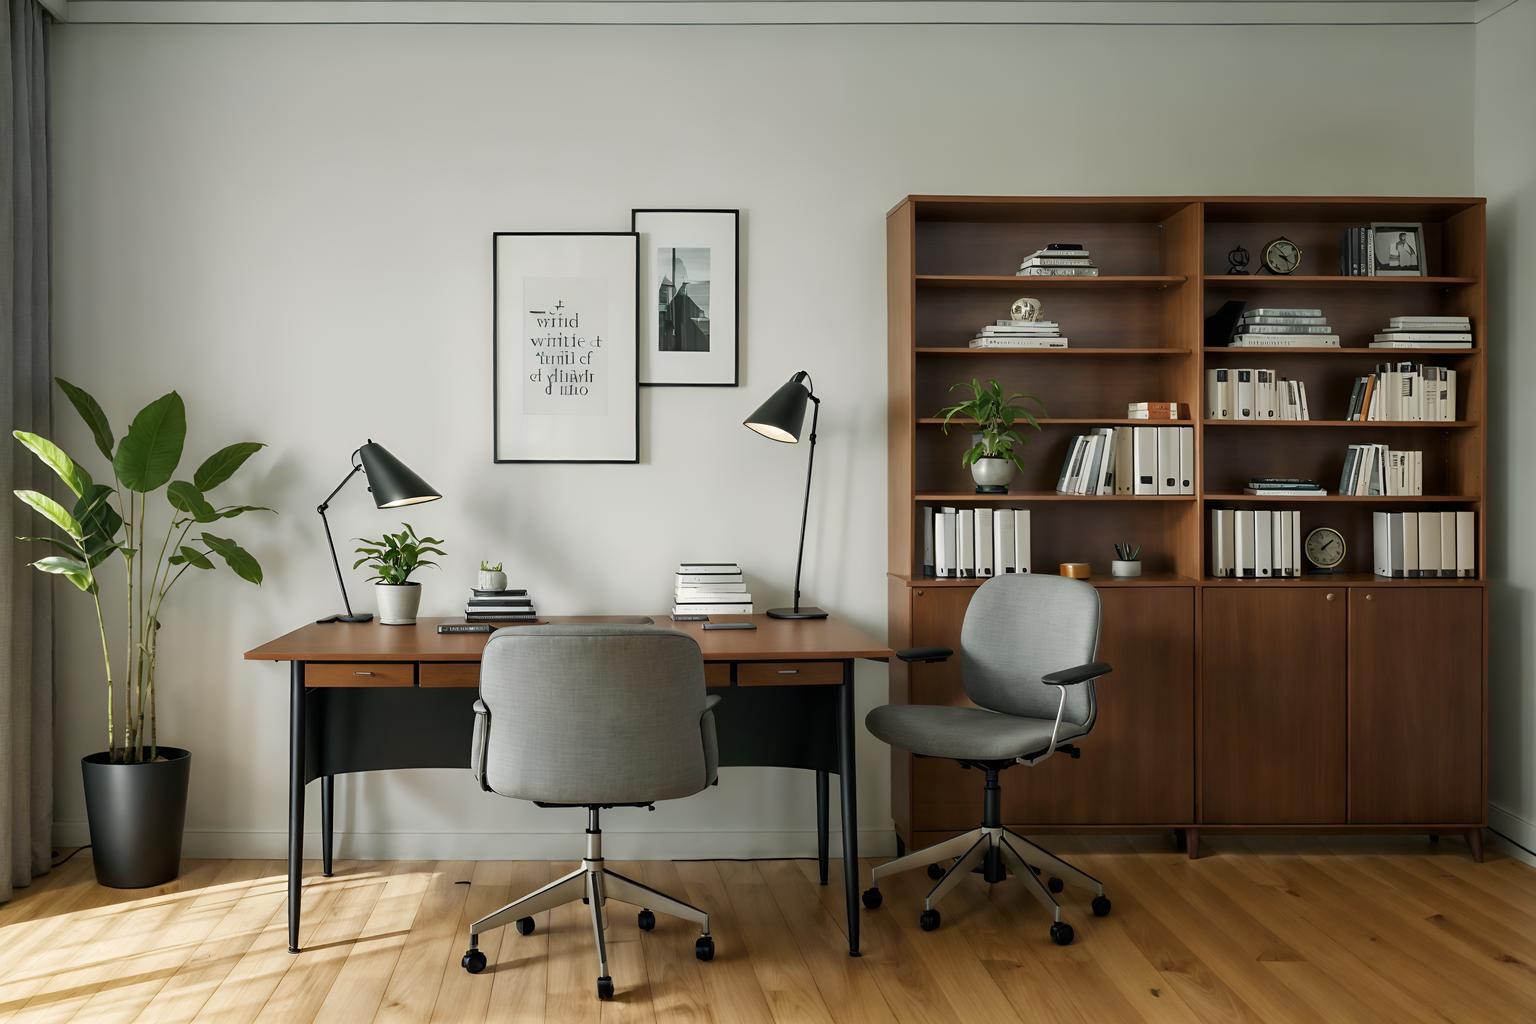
pixel 1059 259
pixel 1404 391
pixel 1130 460
pixel 499 606
pixel 1155 411
pixel 1256 544
pixel 1020 334
pixel 1374 469
pixel 1357 253
pixel 1423 544
pixel 1234 393
pixel 710 588
pixel 1284 487
pixel 1426 332
pixel 1272 327
pixel 974 543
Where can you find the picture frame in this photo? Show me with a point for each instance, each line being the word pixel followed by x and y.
pixel 1393 244
pixel 690 297
pixel 564 346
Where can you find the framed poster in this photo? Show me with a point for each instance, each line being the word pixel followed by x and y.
pixel 563 348
pixel 1399 250
pixel 690 279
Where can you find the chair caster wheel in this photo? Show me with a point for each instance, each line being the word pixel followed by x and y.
pixel 524 926
pixel 1100 906
pixel 1061 933
pixel 704 948
pixel 928 920
pixel 473 962
pixel 935 872
pixel 1055 884
pixel 646 920
pixel 872 898
pixel 605 987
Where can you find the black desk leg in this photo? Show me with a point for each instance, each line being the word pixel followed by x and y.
pixel 823 786
pixel 849 784
pixel 327 821
pixel 295 802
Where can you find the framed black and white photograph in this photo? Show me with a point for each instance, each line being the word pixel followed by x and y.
pixel 564 353
pixel 689 296
pixel 1399 250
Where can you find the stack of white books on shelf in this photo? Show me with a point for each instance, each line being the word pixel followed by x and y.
pixel 1130 460
pixel 1397 392
pixel 1425 544
pixel 1272 327
pixel 1374 469
pixel 1020 334
pixel 1426 332
pixel 1155 410
pixel 1059 259
pixel 1236 393
pixel 974 543
pixel 1284 487
pixel 1256 544
pixel 710 588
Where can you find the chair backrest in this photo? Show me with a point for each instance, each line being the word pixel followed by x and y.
pixel 1019 627
pixel 595 714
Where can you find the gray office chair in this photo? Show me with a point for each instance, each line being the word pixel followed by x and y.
pixel 593 716
pixel 1026 658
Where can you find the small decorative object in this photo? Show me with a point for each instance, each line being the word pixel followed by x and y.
pixel 1282 256
pixel 1325 549
pixel 1220 325
pixel 491 577
pixel 1127 562
pixel 993 455
pixel 1398 250
pixel 782 418
pixel 1075 570
pixel 393 558
pixel 564 354
pixel 1025 310
pixel 690 311
pixel 1237 260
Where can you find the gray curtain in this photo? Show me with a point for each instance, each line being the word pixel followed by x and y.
pixel 26 607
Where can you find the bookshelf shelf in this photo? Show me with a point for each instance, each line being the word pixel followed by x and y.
pixel 1345 499
pixel 1380 354
pixel 1150 579
pixel 1342 579
pixel 1015 281
pixel 1326 424
pixel 1305 280
pixel 1070 421
pixel 1124 352
pixel 1031 497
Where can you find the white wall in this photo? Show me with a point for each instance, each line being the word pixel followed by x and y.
pixel 291 226
pixel 1506 173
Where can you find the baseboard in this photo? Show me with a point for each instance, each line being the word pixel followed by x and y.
pixel 510 845
pixel 1518 830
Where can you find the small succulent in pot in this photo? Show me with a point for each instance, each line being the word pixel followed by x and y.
pixel 393 558
pixel 994 455
pixel 491 577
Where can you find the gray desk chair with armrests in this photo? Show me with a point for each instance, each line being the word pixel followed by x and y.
pixel 1026 658
pixel 593 716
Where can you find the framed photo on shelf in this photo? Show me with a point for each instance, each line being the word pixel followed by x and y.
pixel 690 282
pixel 1399 250
pixel 563 353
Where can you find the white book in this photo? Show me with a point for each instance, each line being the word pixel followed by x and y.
pixel 708 567
pixel 1251 319
pixel 717 588
pixel 1068 464
pixel 1399 322
pixel 966 562
pixel 1296 551
pixel 1059 252
pixel 1125 477
pixel 1410 544
pixel 1087 479
pixel 1244 564
pixel 1266 406
pixel 1107 467
pixel 1223 555
pixel 1002 542
pixel 1168 460
pixel 712 609
pixel 1420 344
pixel 707 577
pixel 1287 311
pixel 1021 540
pixel 1447 543
pixel 1466 545
pixel 947 544
pixel 1186 459
pixel 1436 336
pixel 711 597
pixel 1217 394
pixel 1144 460
pixel 1244 398
pixel 989 342
pixel 1429 544
pixel 985 566
pixel 1263 544
pixel 1280 531
pixel 1387 533
pixel 1057 272
pixel 1285 341
pixel 1301 387
pixel 1418 472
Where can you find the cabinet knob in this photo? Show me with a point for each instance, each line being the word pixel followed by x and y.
pixel 1369 597
pixel 1330 595
pixel 920 593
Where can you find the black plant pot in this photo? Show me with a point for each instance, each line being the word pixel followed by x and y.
pixel 136 813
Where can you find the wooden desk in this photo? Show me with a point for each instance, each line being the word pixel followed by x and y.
pixel 367 697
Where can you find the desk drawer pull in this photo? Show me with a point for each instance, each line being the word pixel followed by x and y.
pixel 362 673
pixel 789 671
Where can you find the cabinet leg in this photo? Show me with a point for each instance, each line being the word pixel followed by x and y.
pixel 1475 842
pixel 1192 843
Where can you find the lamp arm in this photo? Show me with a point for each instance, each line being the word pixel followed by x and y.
pixel 805 508
pixel 329 540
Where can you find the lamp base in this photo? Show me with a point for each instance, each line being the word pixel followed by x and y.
pixel 364 617
pixel 807 612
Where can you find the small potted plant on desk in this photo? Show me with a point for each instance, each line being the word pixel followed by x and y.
pixel 491 577
pixel 393 557
pixel 993 457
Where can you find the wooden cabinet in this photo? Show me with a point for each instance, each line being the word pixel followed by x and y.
pixel 1415 705
pixel 1273 704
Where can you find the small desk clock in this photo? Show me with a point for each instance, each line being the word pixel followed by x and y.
pixel 1282 256
pixel 1325 549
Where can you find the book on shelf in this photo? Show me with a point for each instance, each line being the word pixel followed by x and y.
pixel 1285 341
pixel 1372 470
pixel 1284 487
pixel 1155 411
pixel 1256 543
pixel 1420 545
pixel 1425 332
pixel 1404 392
pixel 1129 460
pixel 976 543
pixel 1421 344
pixel 996 342
pixel 1283 327
pixel 1248 393
pixel 1057 272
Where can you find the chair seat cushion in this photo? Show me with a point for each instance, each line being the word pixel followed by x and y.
pixel 968 734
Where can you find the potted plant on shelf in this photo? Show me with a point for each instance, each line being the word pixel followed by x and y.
pixel 994 455
pixel 136 789
pixel 393 557
pixel 491 577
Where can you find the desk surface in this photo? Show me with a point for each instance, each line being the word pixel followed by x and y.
pixel 772 640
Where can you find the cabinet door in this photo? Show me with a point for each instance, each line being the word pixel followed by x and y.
pixel 1273 705
pixel 1416 705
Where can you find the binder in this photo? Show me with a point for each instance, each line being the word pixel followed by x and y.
pixel 1223 557
pixel 966 562
pixel 1086 479
pixel 1217 395
pixel 1243 400
pixel 1242 543
pixel 946 554
pixel 1296 552
pixel 1186 460
pixel 1144 459
pixel 1125 478
pixel 1064 482
pixel 928 563
pixel 1410 543
pixel 1447 543
pixel 1429 544
pixel 1168 460
pixel 1263 544
pixel 984 563
pixel 1280 540
pixel 1002 541
pixel 1466 545
pixel 1021 540
pixel 1387 534
pixel 1265 399
pixel 1108 468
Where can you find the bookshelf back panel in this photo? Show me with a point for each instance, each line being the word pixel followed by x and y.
pixel 1320 243
pixel 966 247
pixel 1356 313
pixel 1089 317
pixel 1239 454
pixel 1069 387
pixel 1088 532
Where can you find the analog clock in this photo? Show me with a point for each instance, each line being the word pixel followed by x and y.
pixel 1325 548
pixel 1282 256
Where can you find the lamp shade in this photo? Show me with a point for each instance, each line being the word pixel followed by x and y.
pixel 782 416
pixel 391 481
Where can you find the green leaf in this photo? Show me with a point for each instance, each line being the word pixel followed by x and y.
pixel 236 557
pixel 230 511
pixel 100 522
pixel 151 449
pixel 75 478
pixel 55 513
pixel 52 540
pixel 192 557
pixel 90 412
pixel 189 499
pixel 221 465
pixel 71 568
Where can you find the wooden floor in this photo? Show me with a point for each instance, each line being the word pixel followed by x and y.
pixel 1311 930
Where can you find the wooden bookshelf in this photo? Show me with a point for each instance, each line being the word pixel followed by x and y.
pixel 1136 334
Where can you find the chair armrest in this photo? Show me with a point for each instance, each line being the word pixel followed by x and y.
pixel 925 654
pixel 479 741
pixel 1080 674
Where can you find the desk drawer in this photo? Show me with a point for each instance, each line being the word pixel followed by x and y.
pixel 445 674
pixel 360 674
pixel 717 673
pixel 780 673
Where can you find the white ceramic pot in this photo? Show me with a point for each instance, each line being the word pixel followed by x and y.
pixel 491 579
pixel 992 474
pixel 1124 569
pixel 398 605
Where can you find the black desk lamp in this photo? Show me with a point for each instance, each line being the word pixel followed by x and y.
pixel 782 418
pixel 392 484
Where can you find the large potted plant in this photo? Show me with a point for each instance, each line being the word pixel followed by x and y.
pixel 136 789
pixel 994 454
pixel 393 558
